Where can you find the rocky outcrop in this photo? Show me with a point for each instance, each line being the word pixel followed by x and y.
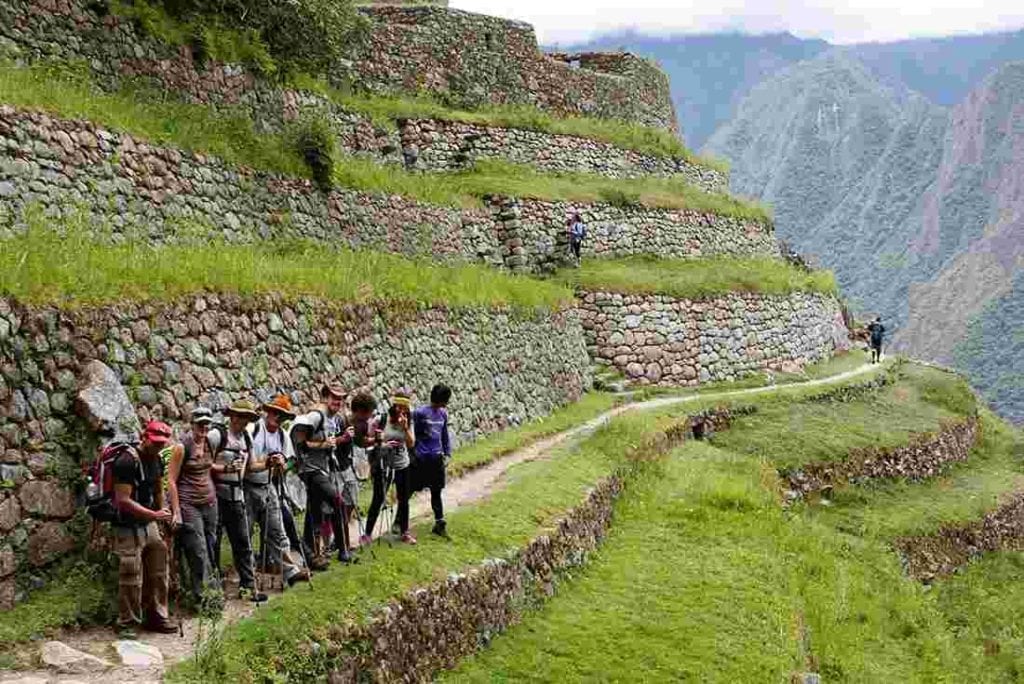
pixel 929 556
pixel 661 340
pixel 926 456
pixel 104 404
pixel 506 367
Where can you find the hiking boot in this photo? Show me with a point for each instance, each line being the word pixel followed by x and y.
pixel 440 529
pixel 298 576
pixel 407 538
pixel 345 556
pixel 365 540
pixel 161 626
pixel 250 594
pixel 319 563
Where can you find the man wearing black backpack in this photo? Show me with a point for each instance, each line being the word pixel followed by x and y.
pixel 232 454
pixel 138 500
pixel 319 437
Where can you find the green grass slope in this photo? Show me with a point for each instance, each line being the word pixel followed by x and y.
pixel 707 577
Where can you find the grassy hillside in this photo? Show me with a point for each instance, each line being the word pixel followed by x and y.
pixel 706 577
pixel 62 264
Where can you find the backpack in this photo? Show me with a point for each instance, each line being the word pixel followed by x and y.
pixel 99 493
pixel 222 432
pixel 342 452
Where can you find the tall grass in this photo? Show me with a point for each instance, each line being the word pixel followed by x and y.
pixel 696 279
pixel 230 135
pixel 65 265
pixel 64 90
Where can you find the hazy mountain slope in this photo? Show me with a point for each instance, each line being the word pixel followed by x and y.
pixel 711 74
pixel 919 209
pixel 838 155
pixel 944 70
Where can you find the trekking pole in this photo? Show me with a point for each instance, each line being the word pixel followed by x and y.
pixel 386 513
pixel 285 501
pixel 264 537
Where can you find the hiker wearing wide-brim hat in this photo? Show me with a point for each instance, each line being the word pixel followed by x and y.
pixel 330 389
pixel 281 405
pixel 264 479
pixel 242 409
pixel 232 456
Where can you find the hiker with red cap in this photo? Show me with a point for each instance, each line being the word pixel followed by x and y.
pixel 271 449
pixel 139 503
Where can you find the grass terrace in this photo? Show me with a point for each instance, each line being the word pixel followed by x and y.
pixel 819 431
pixel 695 279
pixel 706 577
pixel 65 265
pixel 65 91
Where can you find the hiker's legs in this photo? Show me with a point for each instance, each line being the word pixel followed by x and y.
pixel 290 529
pixel 376 502
pixel 275 538
pixel 436 481
pixel 198 530
pixel 154 576
pixel 576 245
pixel 349 500
pixel 402 494
pixel 320 490
pixel 233 522
pixel 128 547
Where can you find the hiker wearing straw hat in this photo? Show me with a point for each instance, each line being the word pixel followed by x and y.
pixel 271 449
pixel 232 454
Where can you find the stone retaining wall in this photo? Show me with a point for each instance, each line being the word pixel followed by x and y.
pixel 926 456
pixel 661 340
pixel 437 145
pixel 929 556
pixel 117 52
pixel 505 369
pixel 162 194
pixel 472 60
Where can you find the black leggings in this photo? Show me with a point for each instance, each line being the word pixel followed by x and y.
pixel 401 480
pixel 320 489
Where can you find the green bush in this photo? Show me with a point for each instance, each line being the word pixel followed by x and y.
pixel 301 35
pixel 314 141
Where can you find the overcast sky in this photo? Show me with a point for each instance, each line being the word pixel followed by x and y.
pixel 852 21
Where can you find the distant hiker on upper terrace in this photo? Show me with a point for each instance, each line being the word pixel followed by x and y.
pixel 877 332
pixel 577 234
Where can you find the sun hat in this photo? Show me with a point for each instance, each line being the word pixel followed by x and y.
pixel 243 409
pixel 202 415
pixel 281 404
pixel 332 389
pixel 157 432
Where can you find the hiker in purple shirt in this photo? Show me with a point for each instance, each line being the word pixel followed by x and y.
pixel 433 450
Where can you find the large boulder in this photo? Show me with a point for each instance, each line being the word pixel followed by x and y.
pixel 103 402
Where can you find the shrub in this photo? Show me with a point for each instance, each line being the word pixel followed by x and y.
pixel 315 143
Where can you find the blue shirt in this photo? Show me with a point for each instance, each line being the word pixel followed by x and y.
pixel 430 425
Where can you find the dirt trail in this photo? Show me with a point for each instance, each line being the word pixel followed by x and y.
pixel 469 489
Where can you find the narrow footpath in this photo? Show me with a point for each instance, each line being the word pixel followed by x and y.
pixel 472 488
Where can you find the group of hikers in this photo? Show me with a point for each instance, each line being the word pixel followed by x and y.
pixel 167 495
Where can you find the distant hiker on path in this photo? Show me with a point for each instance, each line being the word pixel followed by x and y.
pixel 137 541
pixel 877 332
pixel 577 234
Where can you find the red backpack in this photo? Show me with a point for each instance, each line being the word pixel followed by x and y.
pixel 99 493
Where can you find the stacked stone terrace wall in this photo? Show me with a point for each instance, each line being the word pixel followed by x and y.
pixel 473 60
pixel 504 368
pixel 163 194
pixel 661 340
pixel 436 145
pixel 117 52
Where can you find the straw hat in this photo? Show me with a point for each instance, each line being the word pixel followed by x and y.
pixel 242 409
pixel 332 389
pixel 281 404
